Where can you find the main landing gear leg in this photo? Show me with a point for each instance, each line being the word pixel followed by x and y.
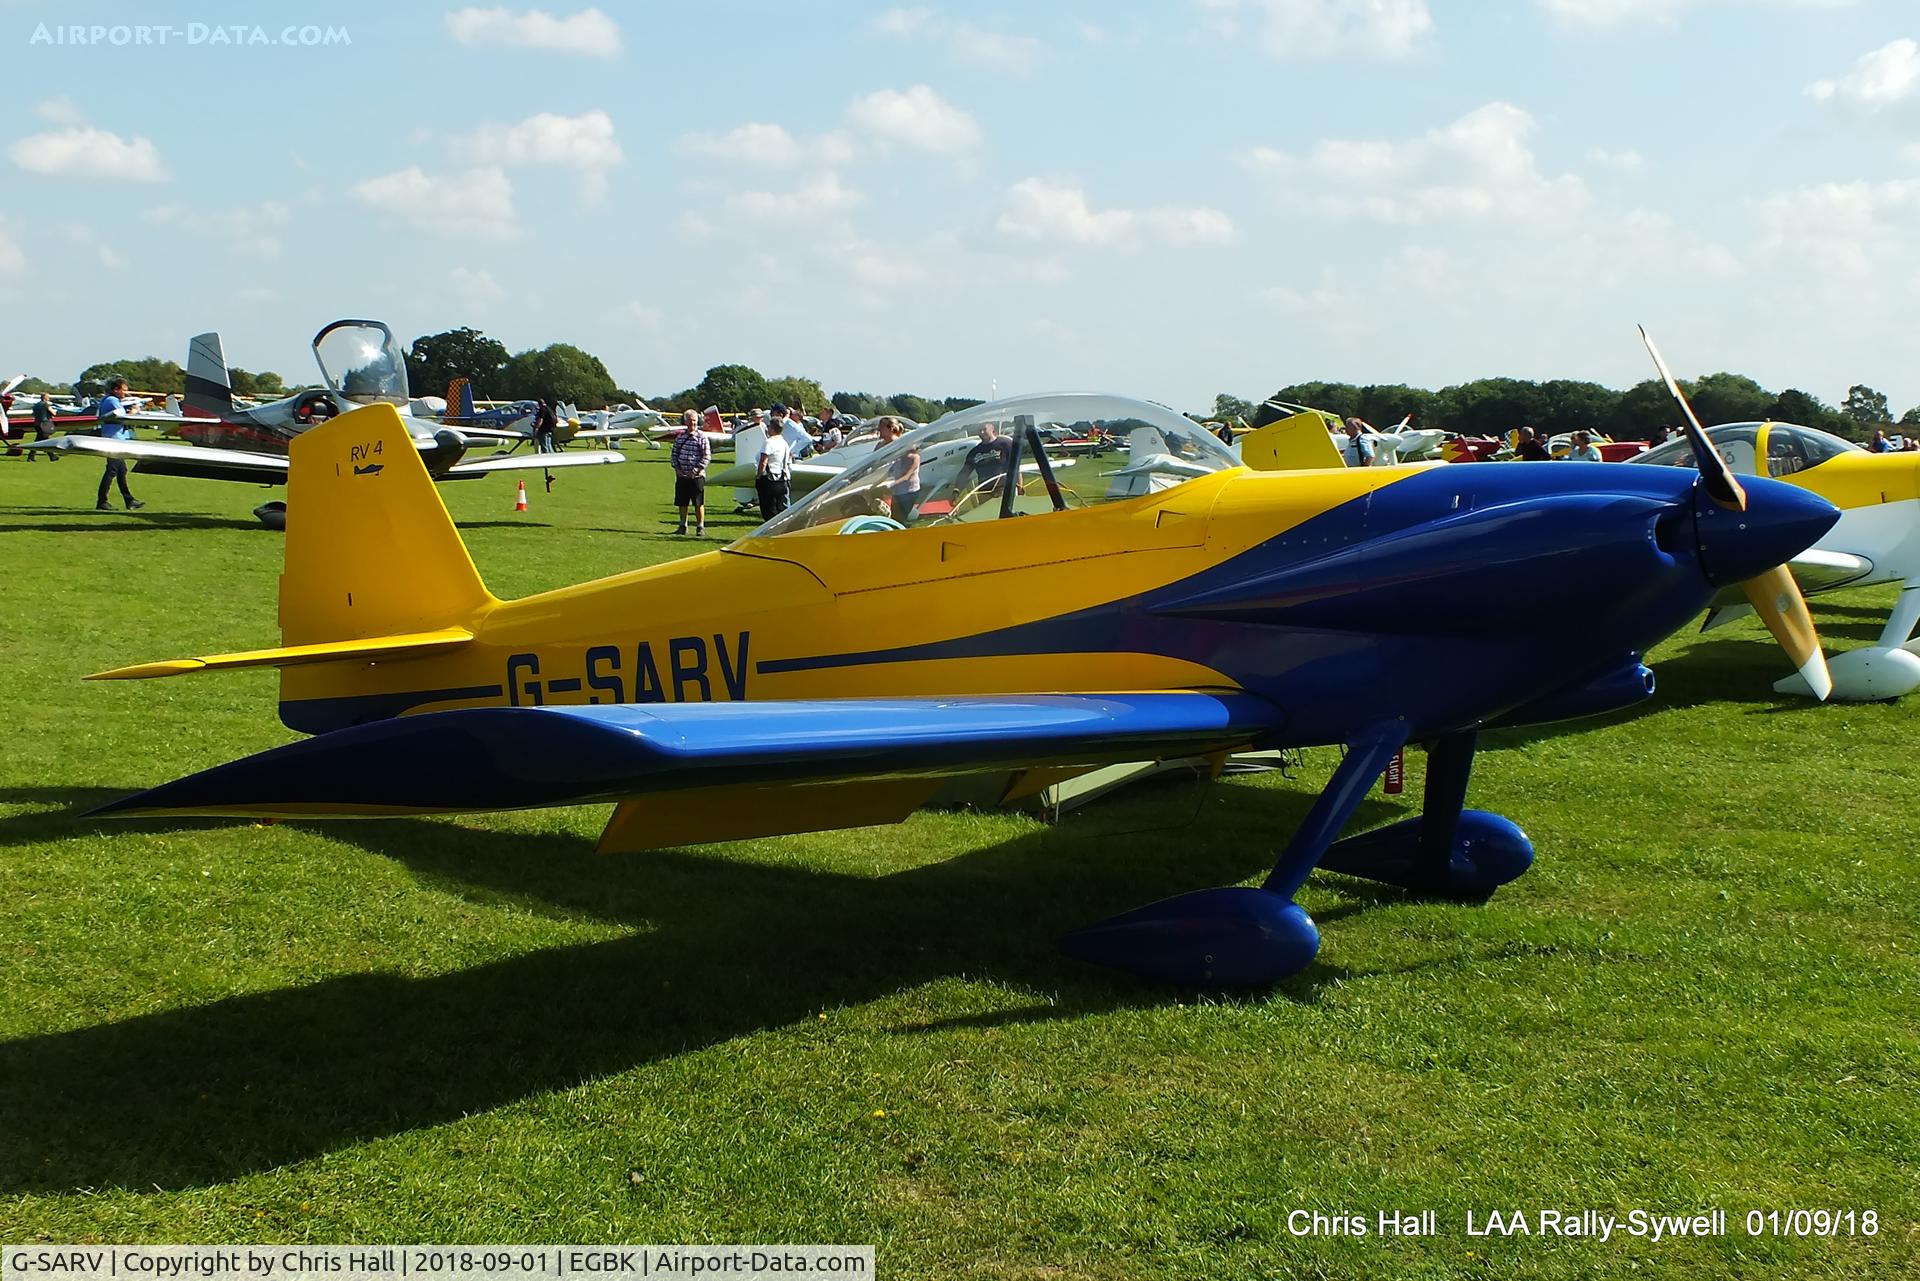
pixel 1888 668
pixel 1448 852
pixel 1235 936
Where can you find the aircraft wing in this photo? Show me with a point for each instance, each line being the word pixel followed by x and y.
pixel 532 462
pixel 491 433
pixel 165 457
pixel 605 433
pixel 683 771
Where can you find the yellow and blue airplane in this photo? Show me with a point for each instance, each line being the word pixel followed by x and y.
pixel 951 606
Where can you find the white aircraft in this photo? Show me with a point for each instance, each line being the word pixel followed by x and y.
pixel 1877 540
pixel 362 363
pixel 807 475
pixel 1400 443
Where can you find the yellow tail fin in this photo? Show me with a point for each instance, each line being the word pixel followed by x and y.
pixel 1299 443
pixel 371 551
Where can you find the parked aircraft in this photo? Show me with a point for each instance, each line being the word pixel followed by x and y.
pixel 512 422
pixel 833 667
pixel 1877 539
pixel 361 363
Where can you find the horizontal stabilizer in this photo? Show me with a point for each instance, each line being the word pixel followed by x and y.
pixel 289 655
pixel 532 462
pixel 494 758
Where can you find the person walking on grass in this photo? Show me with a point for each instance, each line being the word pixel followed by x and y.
pixel 43 428
pixel 692 452
pixel 112 414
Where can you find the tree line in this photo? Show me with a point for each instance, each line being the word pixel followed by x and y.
pixel 1495 406
pixel 564 373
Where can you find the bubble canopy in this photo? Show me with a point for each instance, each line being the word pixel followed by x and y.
pixel 1071 449
pixel 363 362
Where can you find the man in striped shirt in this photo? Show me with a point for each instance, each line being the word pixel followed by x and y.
pixel 691 454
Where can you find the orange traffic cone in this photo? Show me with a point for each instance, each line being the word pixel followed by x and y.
pixel 520 497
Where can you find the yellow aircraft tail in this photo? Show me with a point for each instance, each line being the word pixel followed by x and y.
pixel 371 550
pixel 374 567
pixel 1299 443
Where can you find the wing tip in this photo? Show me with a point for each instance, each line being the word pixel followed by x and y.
pixel 150 671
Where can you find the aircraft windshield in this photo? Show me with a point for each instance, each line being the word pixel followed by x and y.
pixel 1097 448
pixel 1790 448
pixel 363 361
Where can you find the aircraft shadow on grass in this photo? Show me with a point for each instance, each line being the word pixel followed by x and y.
pixel 726 947
pixel 1726 669
pixel 86 520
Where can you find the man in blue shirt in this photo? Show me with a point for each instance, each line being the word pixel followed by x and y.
pixel 112 415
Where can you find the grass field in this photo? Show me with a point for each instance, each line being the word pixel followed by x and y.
pixel 1704 994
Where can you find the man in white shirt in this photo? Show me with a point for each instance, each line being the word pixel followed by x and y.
pixel 774 476
pixel 1358 451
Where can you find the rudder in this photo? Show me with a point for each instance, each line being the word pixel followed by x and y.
pixel 209 388
pixel 370 549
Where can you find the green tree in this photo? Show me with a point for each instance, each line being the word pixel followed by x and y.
pixel 859 403
pixel 798 394
pixel 954 404
pixel 1727 398
pixel 1796 406
pixel 1866 406
pixel 733 388
pixel 1571 405
pixel 39 386
pixel 1226 408
pixel 1333 398
pixel 1911 418
pixel 437 359
pixel 918 408
pixel 1490 406
pixel 264 385
pixel 147 373
pixel 1642 410
pixel 559 372
pixel 1384 404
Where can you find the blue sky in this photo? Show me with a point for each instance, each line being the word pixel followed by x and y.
pixel 1166 200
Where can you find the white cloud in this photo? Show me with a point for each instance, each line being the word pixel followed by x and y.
pixel 916 117
pixel 1845 229
pixel 13 260
pixel 84 152
pixel 820 198
pixel 1612 13
pixel 1019 55
pixel 104 254
pixel 588 32
pixel 642 316
pixel 770 146
pixel 1294 29
pixel 1625 161
pixel 475 288
pixel 1607 13
pixel 1479 167
pixel 584 143
pixel 1197 225
pixel 905 22
pixel 59 110
pixel 884 267
pixel 476 203
pixel 1877 79
pixel 249 230
pixel 1041 211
